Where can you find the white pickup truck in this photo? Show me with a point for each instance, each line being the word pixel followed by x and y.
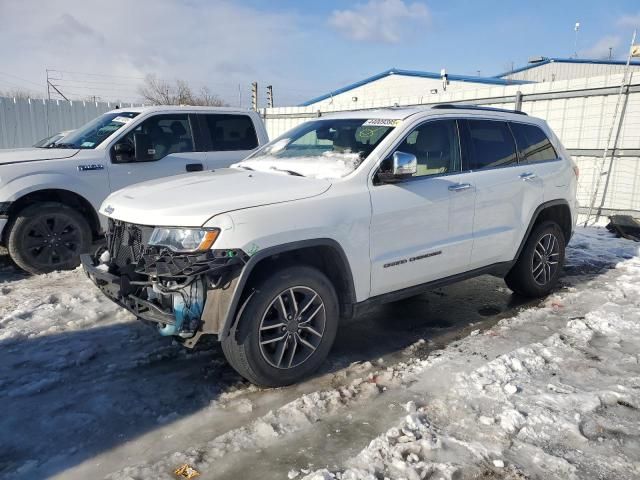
pixel 49 197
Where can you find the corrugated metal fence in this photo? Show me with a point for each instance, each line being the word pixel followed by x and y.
pixel 580 111
pixel 25 121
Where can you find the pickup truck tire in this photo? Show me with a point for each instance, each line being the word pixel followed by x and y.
pixel 539 265
pixel 286 328
pixel 50 236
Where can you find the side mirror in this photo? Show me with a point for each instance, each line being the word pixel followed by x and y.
pixel 144 150
pixel 123 152
pixel 403 166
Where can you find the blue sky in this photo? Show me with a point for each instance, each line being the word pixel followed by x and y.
pixel 303 48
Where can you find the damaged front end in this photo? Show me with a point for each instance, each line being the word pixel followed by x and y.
pixel 184 294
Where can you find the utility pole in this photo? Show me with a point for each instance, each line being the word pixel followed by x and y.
pixel 254 96
pixel 270 96
pixel 576 28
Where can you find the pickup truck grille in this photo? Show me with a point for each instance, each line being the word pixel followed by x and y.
pixel 126 242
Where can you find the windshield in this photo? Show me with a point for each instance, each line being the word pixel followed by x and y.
pixel 97 130
pixel 330 148
pixel 49 141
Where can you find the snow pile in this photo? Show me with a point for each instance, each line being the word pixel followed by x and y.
pixel 566 407
pixel 328 165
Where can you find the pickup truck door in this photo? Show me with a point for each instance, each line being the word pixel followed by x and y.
pixel 230 137
pixel 421 229
pixel 170 150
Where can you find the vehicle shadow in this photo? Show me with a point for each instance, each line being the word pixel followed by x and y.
pixel 70 396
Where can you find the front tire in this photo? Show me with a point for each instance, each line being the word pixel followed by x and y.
pixel 45 237
pixel 286 328
pixel 539 265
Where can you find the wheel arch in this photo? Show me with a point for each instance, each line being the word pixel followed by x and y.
pixel 555 210
pixel 66 197
pixel 325 254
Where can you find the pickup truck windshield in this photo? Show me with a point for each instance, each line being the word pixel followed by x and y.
pixel 330 148
pixel 97 130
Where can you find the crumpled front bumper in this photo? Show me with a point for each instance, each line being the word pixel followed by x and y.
pixel 116 289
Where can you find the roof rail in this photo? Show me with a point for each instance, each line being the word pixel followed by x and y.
pixel 447 106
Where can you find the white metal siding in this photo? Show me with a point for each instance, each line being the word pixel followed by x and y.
pixel 552 71
pixel 396 85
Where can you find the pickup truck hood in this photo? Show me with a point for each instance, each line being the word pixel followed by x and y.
pixel 190 200
pixel 19 155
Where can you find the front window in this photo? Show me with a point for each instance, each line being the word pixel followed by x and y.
pixel 329 148
pixel 97 130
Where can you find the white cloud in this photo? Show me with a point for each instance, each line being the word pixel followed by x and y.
pixel 600 49
pixel 216 43
pixel 382 21
pixel 629 20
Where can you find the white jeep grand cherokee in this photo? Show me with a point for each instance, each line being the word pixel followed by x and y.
pixel 336 215
pixel 49 197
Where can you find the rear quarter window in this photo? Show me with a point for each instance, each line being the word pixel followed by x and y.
pixel 231 132
pixel 533 143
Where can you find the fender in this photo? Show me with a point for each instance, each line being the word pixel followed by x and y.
pixel 534 218
pixel 229 318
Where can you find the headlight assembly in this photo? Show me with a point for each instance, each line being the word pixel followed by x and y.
pixel 184 240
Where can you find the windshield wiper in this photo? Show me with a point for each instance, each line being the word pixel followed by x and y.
pixel 245 167
pixel 290 172
pixel 63 145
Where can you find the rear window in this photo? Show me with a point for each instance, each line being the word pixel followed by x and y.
pixel 533 144
pixel 231 132
pixel 489 144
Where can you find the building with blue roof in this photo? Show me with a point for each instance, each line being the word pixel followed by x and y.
pixel 547 69
pixel 399 83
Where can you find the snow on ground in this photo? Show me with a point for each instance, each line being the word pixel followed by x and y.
pixel 547 389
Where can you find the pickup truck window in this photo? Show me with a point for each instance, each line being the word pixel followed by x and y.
pixel 488 144
pixel 533 144
pixel 165 134
pixel 231 133
pixel 97 130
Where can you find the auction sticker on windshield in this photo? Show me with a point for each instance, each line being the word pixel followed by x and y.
pixel 382 122
pixel 121 119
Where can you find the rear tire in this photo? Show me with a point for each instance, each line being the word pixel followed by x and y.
pixel 45 237
pixel 286 328
pixel 538 267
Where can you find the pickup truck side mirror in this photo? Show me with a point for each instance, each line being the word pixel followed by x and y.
pixel 402 166
pixel 144 150
pixel 123 152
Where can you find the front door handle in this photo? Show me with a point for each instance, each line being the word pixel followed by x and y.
pixel 194 167
pixel 459 187
pixel 528 176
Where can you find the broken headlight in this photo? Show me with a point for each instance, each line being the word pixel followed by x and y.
pixel 183 240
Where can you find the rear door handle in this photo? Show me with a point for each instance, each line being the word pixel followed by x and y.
pixel 528 176
pixel 459 187
pixel 194 167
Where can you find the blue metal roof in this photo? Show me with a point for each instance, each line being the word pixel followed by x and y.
pixel 413 73
pixel 566 60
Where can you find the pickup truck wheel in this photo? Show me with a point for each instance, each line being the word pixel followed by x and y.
pixel 539 265
pixel 48 236
pixel 286 328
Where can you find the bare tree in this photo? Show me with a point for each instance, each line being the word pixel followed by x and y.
pixel 160 92
pixel 19 93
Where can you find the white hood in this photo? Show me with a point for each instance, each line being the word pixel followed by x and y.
pixel 18 155
pixel 190 200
